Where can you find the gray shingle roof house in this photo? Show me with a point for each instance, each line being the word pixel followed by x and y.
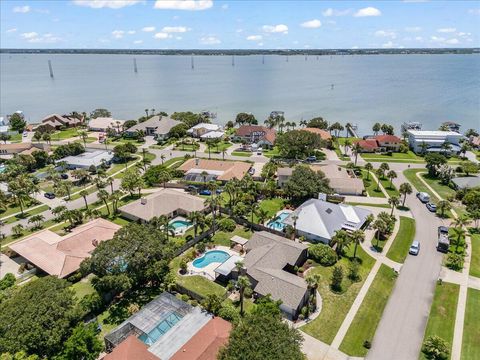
pixel 318 220
pixel 267 260
pixel 158 126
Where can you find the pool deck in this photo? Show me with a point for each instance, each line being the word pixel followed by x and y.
pixel 209 270
pixel 287 211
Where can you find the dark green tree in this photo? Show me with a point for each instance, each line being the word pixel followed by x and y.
pixel 17 122
pixel 298 144
pixel 306 183
pixel 83 344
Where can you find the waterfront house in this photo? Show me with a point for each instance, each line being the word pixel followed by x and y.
pixel 318 220
pixel 466 182
pixel 157 126
pixel 388 142
pixel 202 129
pixel 56 122
pixel 8 150
pixel 475 142
pixel 168 202
pixel 212 135
pixel 204 170
pixel 256 134
pixel 88 158
pixel 368 145
pixel 325 135
pixel 103 123
pixel 433 141
pixel 62 255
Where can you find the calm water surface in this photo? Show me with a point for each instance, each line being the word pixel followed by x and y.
pixel 384 88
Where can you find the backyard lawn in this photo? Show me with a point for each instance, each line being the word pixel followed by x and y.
pixel 83 288
pixel 65 134
pixel 371 185
pixel 369 314
pixel 399 249
pixel 223 238
pixel 475 261
pixel 471 326
pixel 335 306
pixel 272 206
pixel 441 321
pixel 201 285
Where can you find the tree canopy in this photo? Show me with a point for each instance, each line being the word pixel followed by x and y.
pixel 434 161
pixel 17 122
pixel 318 123
pixel 100 113
pixel 245 118
pixel 306 183
pixel 298 144
pixel 36 318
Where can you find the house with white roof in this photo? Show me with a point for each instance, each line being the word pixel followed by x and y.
pixel 433 141
pixel 202 129
pixel 318 220
pixel 87 159
pixel 104 123
pixel 212 135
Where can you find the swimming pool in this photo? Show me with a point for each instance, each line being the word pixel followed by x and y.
pixel 277 223
pixel 213 256
pixel 161 329
pixel 3 168
pixel 178 224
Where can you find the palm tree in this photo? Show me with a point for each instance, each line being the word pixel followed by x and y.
pixel 461 221
pixel 384 167
pixel 459 234
pixel 18 229
pixel 394 201
pixel 446 147
pixel 243 283
pixel 146 112
pixel 347 126
pixel 381 226
pixel 294 218
pixel 83 135
pixel 204 174
pixel 423 146
pixel 379 172
pixel 347 145
pixel 36 220
pixel 103 196
pixel 110 181
pixel 223 153
pixel 115 198
pixel 443 206
pixel 193 218
pixel 312 282
pixel 368 167
pixel 405 189
pixel 391 175
pixel 357 149
pixel 262 215
pixel 253 208
pixel 211 202
pixel 84 194
pixel 341 239
pixel 162 157
pixel 358 236
pixel 465 147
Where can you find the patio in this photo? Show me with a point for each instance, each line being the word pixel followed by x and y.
pixel 209 270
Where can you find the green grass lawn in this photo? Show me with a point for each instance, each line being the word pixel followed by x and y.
pixel 174 162
pixel 368 315
pixel 271 153
pixel 410 156
pixel 201 285
pixel 385 206
pixel 242 153
pixel 220 147
pixel 186 147
pixel 341 156
pixel 441 321
pixel 26 214
pixel 399 249
pixel 83 288
pixel 336 306
pixel 65 134
pixel 371 185
pixel 13 208
pixel 223 238
pixel 272 206
pixel 471 326
pixel 341 140
pixel 443 190
pixel 389 188
pixel 475 261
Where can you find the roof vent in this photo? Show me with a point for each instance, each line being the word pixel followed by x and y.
pixel 143 201
pixel 329 211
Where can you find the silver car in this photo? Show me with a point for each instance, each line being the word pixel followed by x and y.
pixel 414 248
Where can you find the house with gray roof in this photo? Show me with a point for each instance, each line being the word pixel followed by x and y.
pixel 466 182
pixel 157 126
pixel 318 220
pixel 270 261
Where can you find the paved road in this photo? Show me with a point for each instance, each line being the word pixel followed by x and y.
pixel 401 329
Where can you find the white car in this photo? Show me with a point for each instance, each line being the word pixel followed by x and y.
pixel 414 248
pixel 423 197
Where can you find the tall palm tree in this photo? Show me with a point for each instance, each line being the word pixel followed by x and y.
pixel 341 239
pixel 357 149
pixel 394 201
pixel 358 236
pixel 446 147
pixel 368 167
pixel 162 157
pixel 459 234
pixel 193 218
pixel 312 282
pixel 461 221
pixel 103 196
pixel 381 226
pixel 391 175
pixel 294 218
pixel 443 206
pixel 405 189
pixel 262 215
pixel 242 283
pixel 347 145
pixel 224 151
pixel 84 194
pixel 253 209
pixel 379 172
pixel 347 126
pixel 115 198
pixel 83 135
pixel 211 202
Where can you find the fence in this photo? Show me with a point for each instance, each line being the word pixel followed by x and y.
pixel 192 242
pixel 194 295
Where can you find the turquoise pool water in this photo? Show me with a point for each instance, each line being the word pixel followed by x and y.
pixel 178 224
pixel 3 168
pixel 160 329
pixel 211 257
pixel 277 223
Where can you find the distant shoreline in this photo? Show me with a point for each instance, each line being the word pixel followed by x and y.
pixel 246 52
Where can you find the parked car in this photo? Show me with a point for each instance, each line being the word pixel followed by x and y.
pixel 443 243
pixel 64 176
pixel 431 207
pixel 192 188
pixel 312 158
pixel 25 134
pixel 205 192
pixel 423 197
pixel 219 191
pixel 49 195
pixel 414 248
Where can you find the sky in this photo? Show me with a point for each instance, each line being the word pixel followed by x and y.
pixel 212 24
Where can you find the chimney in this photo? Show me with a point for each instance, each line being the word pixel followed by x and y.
pixel 143 201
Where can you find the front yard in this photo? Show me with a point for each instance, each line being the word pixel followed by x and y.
pixel 335 306
pixel 475 261
pixel 399 249
pixel 371 186
pixel 471 326
pixel 409 156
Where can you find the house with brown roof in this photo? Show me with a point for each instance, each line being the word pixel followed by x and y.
pixel 168 202
pixel 55 122
pixel 157 126
pixel 368 145
pixel 256 134
pixel 131 349
pixel 203 170
pixel 388 142
pixel 325 135
pixel 7 150
pixel 62 255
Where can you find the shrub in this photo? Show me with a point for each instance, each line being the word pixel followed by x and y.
pixel 226 225
pixel 435 348
pixel 92 303
pixel 7 281
pixel 75 277
pixel 248 292
pixel 183 266
pixel 185 297
pixel 201 247
pixel 194 302
pixel 323 254
pixel 367 344
pixel 301 270
pixel 337 278
pixel 353 271
pixel 188 237
pixel 455 261
pixel 229 312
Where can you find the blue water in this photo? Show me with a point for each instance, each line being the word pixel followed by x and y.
pixel 177 224
pixel 211 257
pixel 160 329
pixel 3 168
pixel 277 223
pixel 367 89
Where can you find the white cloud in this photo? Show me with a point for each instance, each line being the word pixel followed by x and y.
pixel 162 35
pixel 238 31
pixel 388 45
pixel 175 29
pixel 209 40
pixel 111 4
pixel 474 11
pixel 281 28
pixel 254 37
pixel 118 34
pixel 148 28
pixel 21 9
pixel 34 37
pixel 452 41
pixel 386 33
pixel 131 32
pixel 138 42
pixel 312 24
pixel 11 30
pixel 334 12
pixel 178 37
pixel 368 11
pixel 260 44
pixel 225 6
pixel 443 41
pixel 463 34
pixel 446 30
pixel 190 5
pixel 413 29
pixel 29 35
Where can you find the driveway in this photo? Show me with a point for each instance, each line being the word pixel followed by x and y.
pixel 401 329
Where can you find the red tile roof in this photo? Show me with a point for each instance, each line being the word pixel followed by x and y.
pixel 206 343
pixel 388 138
pixel 131 349
pixel 368 144
pixel 325 135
